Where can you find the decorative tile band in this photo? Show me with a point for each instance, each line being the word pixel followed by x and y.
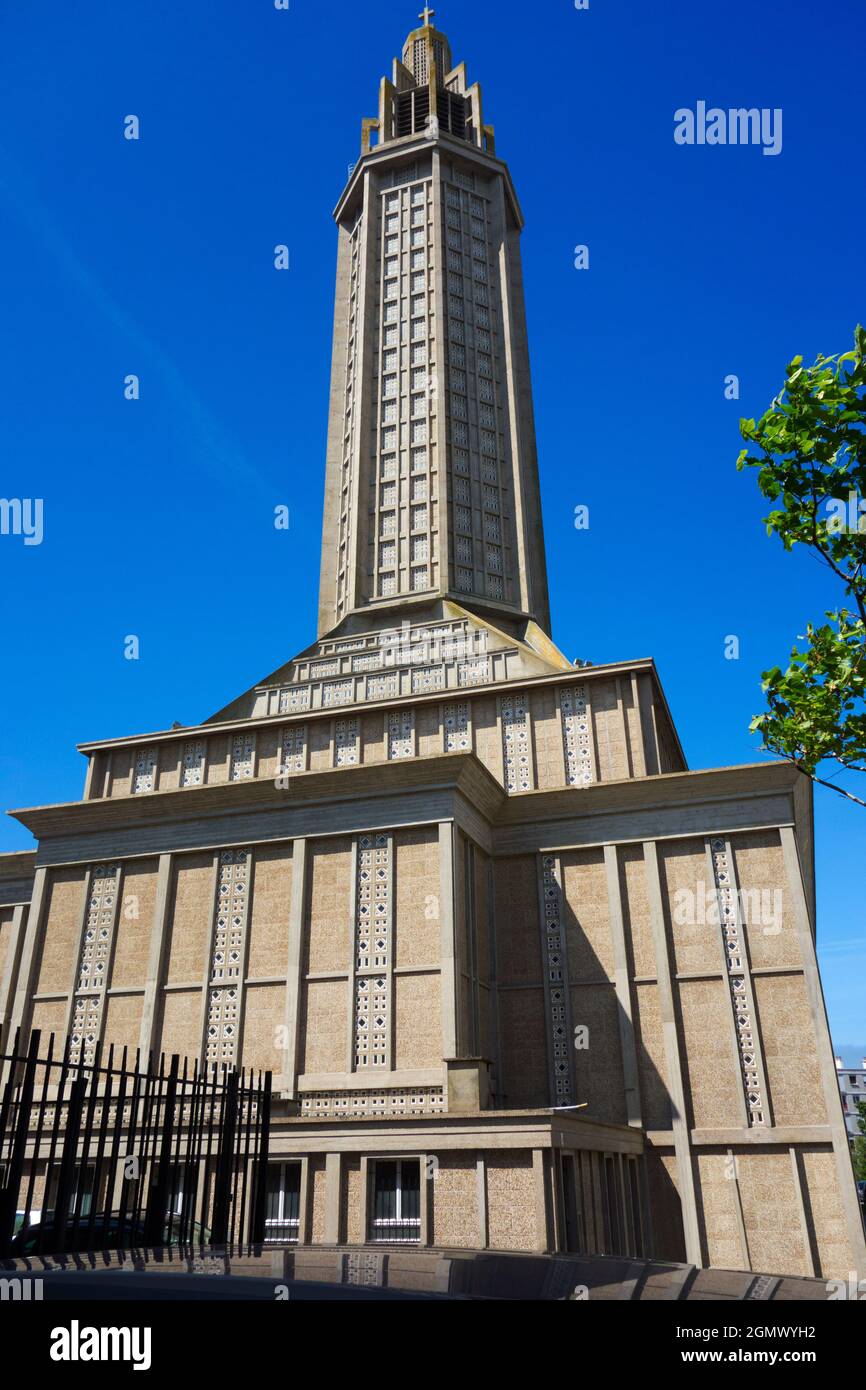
pixel 144 776
pixel 227 958
pixel 556 984
pixel 346 1105
pixel 193 763
pixel 738 982
pixel 92 977
pixel 401 734
pixel 372 1002
pixel 577 736
pixel 517 757
pixel 293 748
pixel 455 721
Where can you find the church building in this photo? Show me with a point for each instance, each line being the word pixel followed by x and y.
pixel 524 980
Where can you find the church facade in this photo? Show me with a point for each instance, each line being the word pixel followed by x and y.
pixel 523 979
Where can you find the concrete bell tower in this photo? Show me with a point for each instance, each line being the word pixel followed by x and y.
pixel 432 474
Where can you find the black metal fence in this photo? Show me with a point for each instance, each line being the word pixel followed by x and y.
pixel 126 1153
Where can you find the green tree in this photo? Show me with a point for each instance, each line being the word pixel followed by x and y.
pixel 860 1143
pixel 810 451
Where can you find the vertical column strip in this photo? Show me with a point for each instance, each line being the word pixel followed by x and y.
pixel 625 1010
pixel 447 833
pixel 294 971
pixel 733 1167
pixel 30 954
pixel 557 992
pixel 156 959
pixel 13 957
pixel 797 1176
pixel 738 975
pixel 679 1117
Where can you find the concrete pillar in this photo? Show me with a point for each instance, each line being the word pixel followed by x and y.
pixel 13 957
pixel 150 1014
pixel 679 1117
pixel 448 943
pixel 31 951
pixel 333 1183
pixel 294 964
pixel 543 1233
pixel 623 991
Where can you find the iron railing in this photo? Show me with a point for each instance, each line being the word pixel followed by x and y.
pixel 127 1151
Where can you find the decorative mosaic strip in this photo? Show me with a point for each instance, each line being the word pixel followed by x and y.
pixel 93 963
pixel 577 736
pixel 365 1269
pixel 421 1100
pixel 455 720
pixel 556 983
pixel 515 743
pixel 371 662
pixel 297 697
pixel 428 678
pixel 382 687
pixel 293 748
pixel 144 777
pixel 86 1023
pixel 192 770
pixel 474 672
pixel 242 757
pixel 738 982
pixel 346 743
pixel 401 734
pixel 338 693
pixel 372 951
pixel 101 916
pixel 227 958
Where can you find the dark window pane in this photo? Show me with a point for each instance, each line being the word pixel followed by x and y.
pixel 385 1206
pixel 411 1182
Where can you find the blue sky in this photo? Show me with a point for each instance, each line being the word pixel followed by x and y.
pixel 155 257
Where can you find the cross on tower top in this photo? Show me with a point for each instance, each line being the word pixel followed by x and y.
pixel 427 14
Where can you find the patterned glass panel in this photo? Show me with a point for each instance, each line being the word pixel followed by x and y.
pixel 346 743
pixel 372 952
pixel 515 743
pixel 192 774
pixel 456 727
pixel 144 777
pixel 227 958
pixel 243 756
pixel 401 734
pixel 738 982
pixel 577 736
pixel 293 748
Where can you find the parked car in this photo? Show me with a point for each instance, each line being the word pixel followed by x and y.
pixel 106 1235
pixel 861 1192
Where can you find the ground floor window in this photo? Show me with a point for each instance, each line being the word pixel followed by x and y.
pixel 396 1205
pixel 81 1200
pixel 283 1208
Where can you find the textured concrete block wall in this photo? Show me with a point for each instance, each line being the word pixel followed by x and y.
pixel 511 1204
pixel 268 926
pixel 455 1217
pixel 190 918
pixel 132 932
pixel 64 916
